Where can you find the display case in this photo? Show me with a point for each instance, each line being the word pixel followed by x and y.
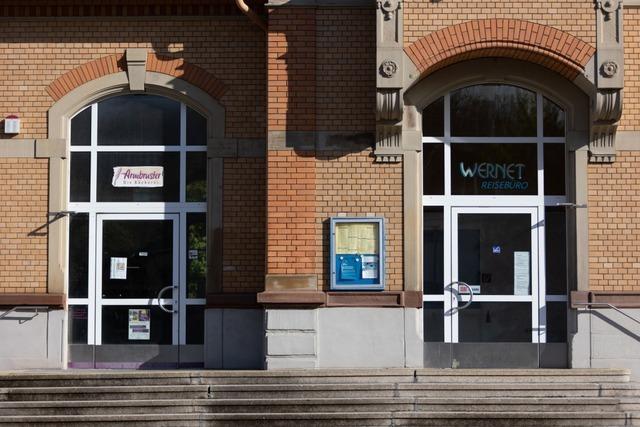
pixel 357 253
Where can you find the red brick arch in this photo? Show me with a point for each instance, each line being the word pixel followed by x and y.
pixel 100 67
pixel 507 38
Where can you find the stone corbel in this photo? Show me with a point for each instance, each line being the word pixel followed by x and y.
pixel 136 68
pixel 609 81
pixel 389 82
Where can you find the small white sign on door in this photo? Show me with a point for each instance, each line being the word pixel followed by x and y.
pixel 521 273
pixel 138 176
pixel 139 324
pixel 118 270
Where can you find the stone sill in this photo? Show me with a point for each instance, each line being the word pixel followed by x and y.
pixel 618 299
pixel 342 299
pixel 22 300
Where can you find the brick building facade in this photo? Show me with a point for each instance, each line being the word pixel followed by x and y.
pixel 267 125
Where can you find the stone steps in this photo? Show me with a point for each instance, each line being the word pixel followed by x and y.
pixel 262 391
pixel 410 418
pixel 336 397
pixel 153 392
pixel 398 404
pixel 324 376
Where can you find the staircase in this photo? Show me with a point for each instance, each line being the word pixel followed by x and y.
pixel 381 397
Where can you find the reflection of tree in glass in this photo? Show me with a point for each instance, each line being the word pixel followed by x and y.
pixel 196 191
pixel 553 119
pixel 493 110
pixel 197 267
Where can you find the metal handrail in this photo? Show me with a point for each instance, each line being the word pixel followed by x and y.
pixel 611 306
pixel 26 307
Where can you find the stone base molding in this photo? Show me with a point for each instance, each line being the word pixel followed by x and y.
pixel 584 299
pixel 40 300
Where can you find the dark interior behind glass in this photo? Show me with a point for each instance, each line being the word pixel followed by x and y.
pixel 493 110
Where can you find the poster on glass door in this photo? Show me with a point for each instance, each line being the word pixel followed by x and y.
pixel 139 324
pixel 521 273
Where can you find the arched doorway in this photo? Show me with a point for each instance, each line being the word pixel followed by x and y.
pixel 494 228
pixel 137 234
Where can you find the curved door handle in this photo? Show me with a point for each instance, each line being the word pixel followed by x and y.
pixel 162 307
pixel 468 303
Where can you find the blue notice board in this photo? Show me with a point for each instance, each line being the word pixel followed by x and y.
pixel 357 253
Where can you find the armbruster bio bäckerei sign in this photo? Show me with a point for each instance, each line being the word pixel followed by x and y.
pixel 138 176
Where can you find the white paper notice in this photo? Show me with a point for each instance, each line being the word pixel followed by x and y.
pixel 521 273
pixel 118 268
pixel 369 266
pixel 139 324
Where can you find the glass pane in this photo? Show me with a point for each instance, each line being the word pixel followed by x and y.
pixel 78 317
pixel 80 177
pixel 555 234
pixel 553 118
pixel 81 128
pixel 197 177
pixel 494 169
pixel 433 119
pixel 195 324
pixel 135 325
pixel 556 322
pixel 196 255
pixel 168 192
pixel 196 128
pixel 433 169
pixel 554 170
pixel 433 223
pixel 78 255
pixel 138 120
pixel 494 253
pixel 433 321
pixel 137 258
pixel 495 322
pixel 493 110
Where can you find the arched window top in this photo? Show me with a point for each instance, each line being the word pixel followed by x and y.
pixel 139 120
pixel 138 135
pixel 493 110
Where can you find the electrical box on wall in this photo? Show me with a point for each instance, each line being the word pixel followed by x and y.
pixel 357 253
pixel 12 124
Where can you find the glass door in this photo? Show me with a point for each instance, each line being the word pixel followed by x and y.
pixel 137 291
pixel 492 308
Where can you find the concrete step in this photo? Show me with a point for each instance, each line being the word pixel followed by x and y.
pixel 399 404
pixel 409 418
pixel 153 392
pixel 333 376
pixel 262 391
pixel 258 391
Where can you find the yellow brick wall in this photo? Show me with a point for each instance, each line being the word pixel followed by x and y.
pixel 23 233
pixel 573 16
pixel 631 110
pixel 614 224
pixel 352 184
pixel 35 53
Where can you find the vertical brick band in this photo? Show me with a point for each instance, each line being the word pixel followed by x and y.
pixel 508 38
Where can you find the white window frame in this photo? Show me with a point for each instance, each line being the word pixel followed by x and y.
pixel 448 202
pixel 134 210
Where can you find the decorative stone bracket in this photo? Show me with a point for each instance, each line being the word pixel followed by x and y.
pixel 389 59
pixel 136 68
pixel 609 81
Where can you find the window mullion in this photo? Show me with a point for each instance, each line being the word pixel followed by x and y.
pixel 93 185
